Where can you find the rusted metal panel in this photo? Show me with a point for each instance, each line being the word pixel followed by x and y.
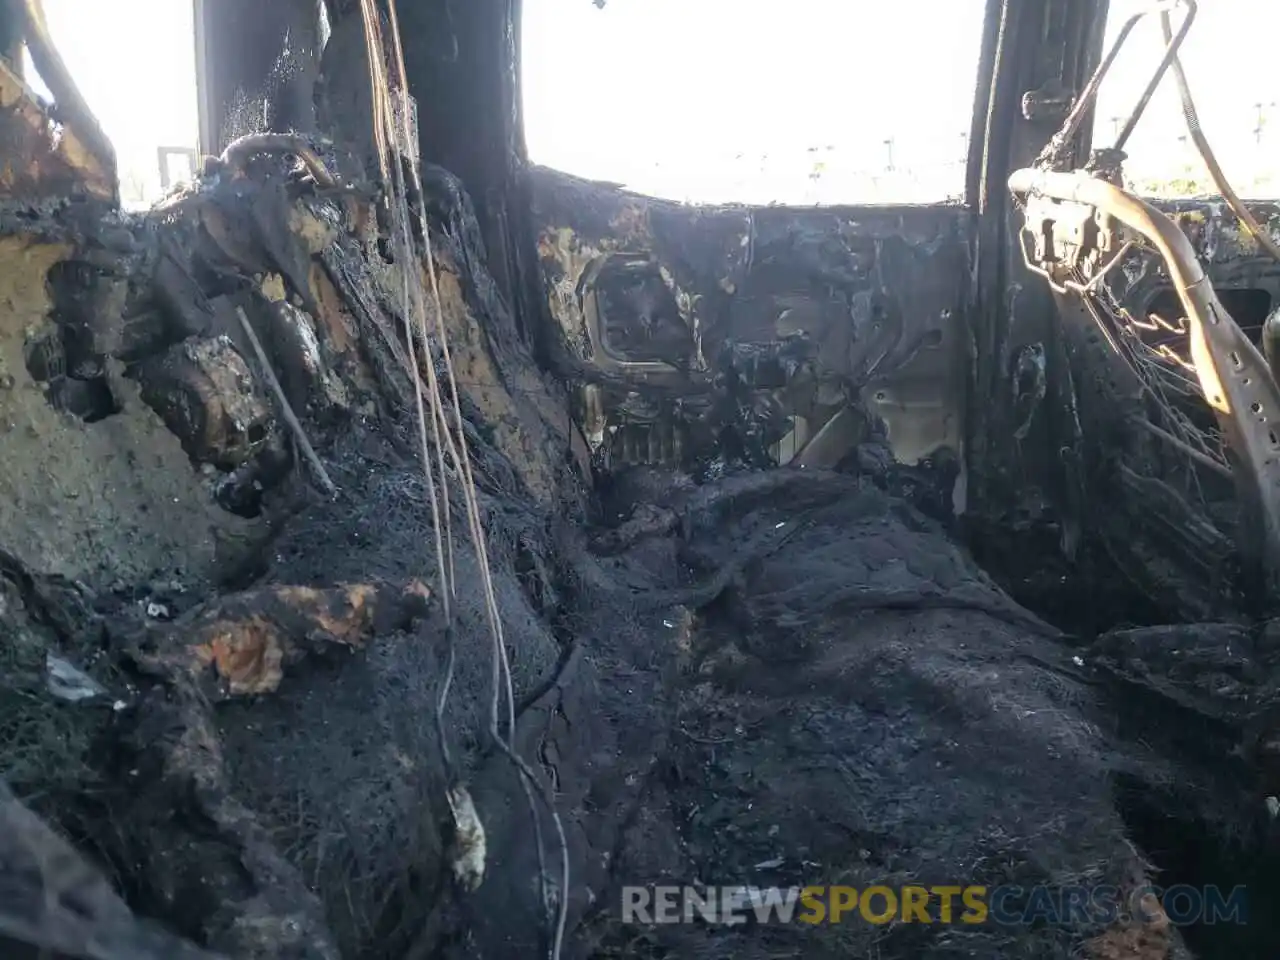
pixel 43 159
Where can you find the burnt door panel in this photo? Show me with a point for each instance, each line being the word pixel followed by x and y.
pixel 766 334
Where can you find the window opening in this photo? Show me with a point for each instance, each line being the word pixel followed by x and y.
pixel 721 101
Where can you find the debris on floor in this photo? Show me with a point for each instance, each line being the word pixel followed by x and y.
pixel 236 701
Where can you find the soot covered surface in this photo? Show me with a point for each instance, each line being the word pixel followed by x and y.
pixel 860 705
pixel 771 678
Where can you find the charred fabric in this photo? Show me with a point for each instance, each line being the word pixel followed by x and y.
pixel 788 519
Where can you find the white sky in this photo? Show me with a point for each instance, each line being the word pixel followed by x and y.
pixel 741 100
pixel 1229 79
pixel 134 61
pixel 762 101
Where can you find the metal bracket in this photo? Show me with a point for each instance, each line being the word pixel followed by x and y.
pixel 1051 102
pixel 1062 240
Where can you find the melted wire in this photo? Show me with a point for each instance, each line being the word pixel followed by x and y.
pixel 442 439
pixel 1163 375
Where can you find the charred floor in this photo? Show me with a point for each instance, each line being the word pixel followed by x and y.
pixel 794 587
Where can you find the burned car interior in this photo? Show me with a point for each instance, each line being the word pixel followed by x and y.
pixel 410 549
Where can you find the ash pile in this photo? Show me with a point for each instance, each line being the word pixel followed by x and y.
pixel 249 699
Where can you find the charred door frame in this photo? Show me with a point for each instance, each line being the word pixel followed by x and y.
pixel 206 78
pixel 1028 45
pixel 237 44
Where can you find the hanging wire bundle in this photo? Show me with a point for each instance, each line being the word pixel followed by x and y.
pixel 444 455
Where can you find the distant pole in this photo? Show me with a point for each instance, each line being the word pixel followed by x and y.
pixel 889 147
pixel 1262 119
pixel 1188 163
